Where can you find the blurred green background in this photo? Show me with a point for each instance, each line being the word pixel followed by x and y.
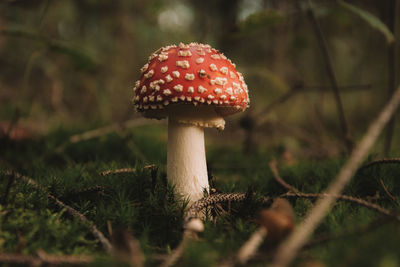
pixel 73 63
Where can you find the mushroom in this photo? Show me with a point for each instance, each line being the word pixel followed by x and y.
pixel 194 86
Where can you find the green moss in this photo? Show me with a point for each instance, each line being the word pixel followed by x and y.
pixel 143 202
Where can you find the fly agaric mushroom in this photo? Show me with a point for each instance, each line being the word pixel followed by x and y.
pixel 194 86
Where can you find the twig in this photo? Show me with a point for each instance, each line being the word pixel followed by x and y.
pixel 288 250
pixel 248 249
pixel 331 74
pixel 93 228
pixel 43 258
pixel 347 198
pixel 273 165
pixel 386 190
pixel 295 193
pixel 115 127
pixel 391 73
pixel 108 129
pixel 190 232
pixel 127 170
pixel 123 170
pixel 380 161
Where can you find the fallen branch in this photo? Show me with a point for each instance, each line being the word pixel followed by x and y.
pixel 295 193
pixel 42 258
pixel 273 166
pixel 93 228
pixel 123 170
pixel 115 127
pixel 386 190
pixel 380 161
pixel 288 250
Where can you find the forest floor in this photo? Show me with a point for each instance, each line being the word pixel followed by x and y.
pixel 63 202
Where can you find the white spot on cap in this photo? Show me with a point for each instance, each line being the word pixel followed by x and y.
pixel 189 99
pixel 210 97
pixel 163 57
pixel 178 88
pixel 197 98
pixel 183 46
pixel 219 81
pixel 223 56
pixel 144 89
pixel 223 97
pixel 151 98
pixel 184 53
pixel 149 74
pixel 136 99
pixel 167 92
pixel 202 73
pixel 215 101
pixel 233 98
pixel 218 91
pixel 176 74
pixel 189 76
pixel 235 85
pixel 224 70
pixel 159 98
pixel 201 89
pixel 190 89
pixel 161 81
pixel 213 67
pixel 183 64
pixel 144 68
pixel 182 97
pixel 199 60
pixel 153 106
pixel 174 99
pixel 145 99
pixel 229 91
pixel 166 103
pixel 209 102
pixel 168 78
pixel 215 56
pixel 164 69
pixel 232 74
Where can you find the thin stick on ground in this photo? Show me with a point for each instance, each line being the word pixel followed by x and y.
pixel 395 5
pixel 44 259
pixel 123 170
pixel 386 190
pixel 288 250
pixel 273 166
pixel 351 199
pixel 331 74
pixel 93 228
pixel 295 193
pixel 380 161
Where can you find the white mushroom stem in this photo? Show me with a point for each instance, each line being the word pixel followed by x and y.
pixel 186 159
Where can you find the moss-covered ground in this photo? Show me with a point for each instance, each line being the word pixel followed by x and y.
pixel 142 202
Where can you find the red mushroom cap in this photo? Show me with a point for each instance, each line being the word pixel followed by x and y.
pixel 193 74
